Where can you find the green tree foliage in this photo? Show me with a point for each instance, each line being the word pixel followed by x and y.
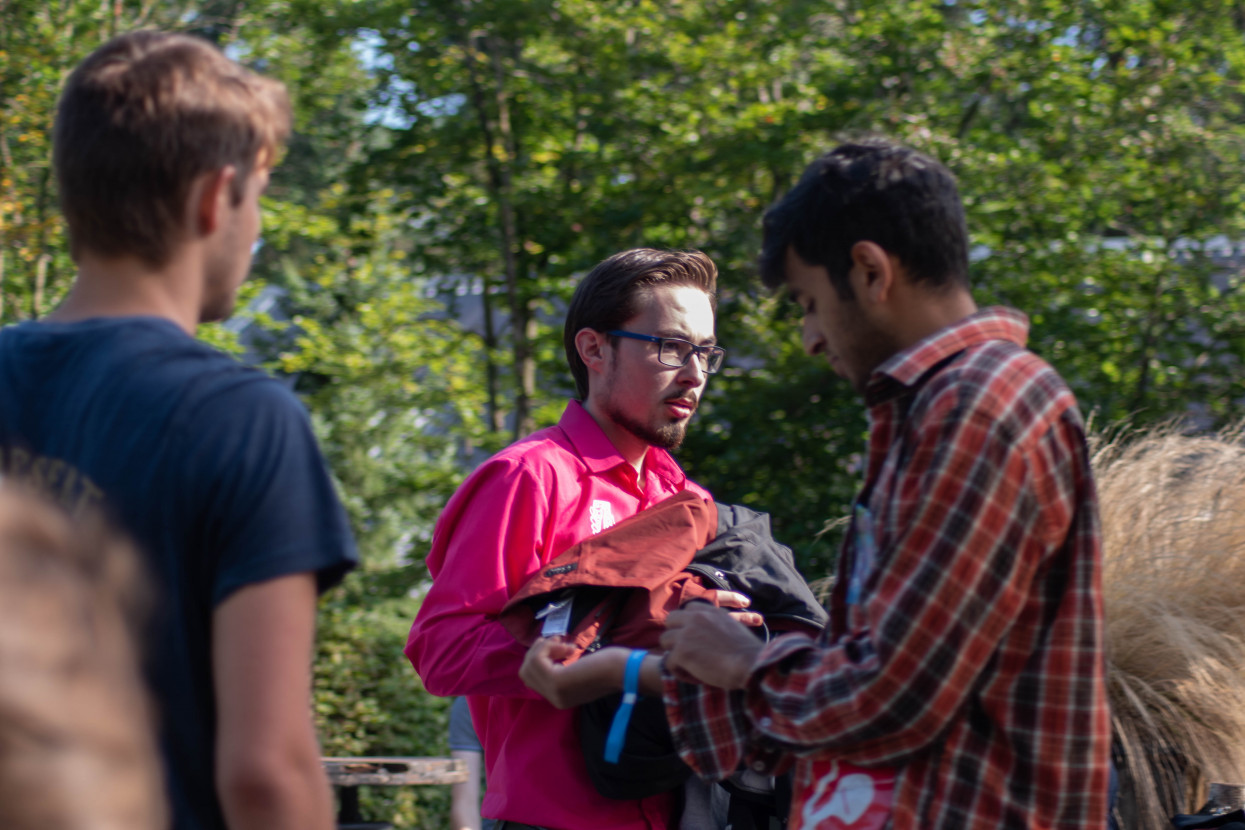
pixel 1102 154
pixel 1097 146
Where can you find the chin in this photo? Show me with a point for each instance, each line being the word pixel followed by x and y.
pixel 670 437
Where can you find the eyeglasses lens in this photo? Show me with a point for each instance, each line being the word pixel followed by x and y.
pixel 678 352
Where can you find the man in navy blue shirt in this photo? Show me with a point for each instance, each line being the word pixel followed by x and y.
pixel 162 148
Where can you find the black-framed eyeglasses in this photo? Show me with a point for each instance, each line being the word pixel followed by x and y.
pixel 675 352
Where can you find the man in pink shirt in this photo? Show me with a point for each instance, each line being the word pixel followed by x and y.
pixel 639 337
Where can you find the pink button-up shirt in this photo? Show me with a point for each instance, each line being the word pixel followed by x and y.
pixel 515 513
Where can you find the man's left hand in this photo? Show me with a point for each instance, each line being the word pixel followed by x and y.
pixel 567 685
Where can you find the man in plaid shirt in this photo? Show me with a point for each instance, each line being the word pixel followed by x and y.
pixel 960 682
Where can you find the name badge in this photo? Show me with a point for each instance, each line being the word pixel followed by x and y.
pixel 557 617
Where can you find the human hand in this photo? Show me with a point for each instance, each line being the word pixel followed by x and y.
pixel 738 603
pixel 588 678
pixel 708 645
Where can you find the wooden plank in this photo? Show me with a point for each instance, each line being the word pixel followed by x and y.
pixel 394 771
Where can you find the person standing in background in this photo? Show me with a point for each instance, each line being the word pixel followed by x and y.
pixel 465 747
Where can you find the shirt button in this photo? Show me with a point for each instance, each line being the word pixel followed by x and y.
pixel 767 722
pixel 759 766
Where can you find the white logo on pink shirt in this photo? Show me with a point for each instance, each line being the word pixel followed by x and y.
pixel 601 516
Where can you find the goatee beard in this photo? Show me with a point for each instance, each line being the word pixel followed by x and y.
pixel 668 437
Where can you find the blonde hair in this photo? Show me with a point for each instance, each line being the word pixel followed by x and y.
pixel 77 746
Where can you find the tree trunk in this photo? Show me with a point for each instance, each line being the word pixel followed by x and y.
pixel 1149 341
pixel 495 419
pixel 499 149
pixel 522 326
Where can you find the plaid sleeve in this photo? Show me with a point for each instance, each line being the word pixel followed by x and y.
pixel 711 727
pixel 957 553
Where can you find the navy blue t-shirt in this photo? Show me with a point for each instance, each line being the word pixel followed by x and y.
pixel 212 468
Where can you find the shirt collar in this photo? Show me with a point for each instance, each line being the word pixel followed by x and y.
pixel 904 369
pixel 600 454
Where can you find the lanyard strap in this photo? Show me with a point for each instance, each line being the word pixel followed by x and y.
pixel 631 693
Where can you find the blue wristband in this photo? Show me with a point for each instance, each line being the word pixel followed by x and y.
pixel 631 693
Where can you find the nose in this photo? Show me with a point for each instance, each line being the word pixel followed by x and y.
pixel 692 373
pixel 812 339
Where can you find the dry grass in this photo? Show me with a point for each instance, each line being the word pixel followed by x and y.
pixel 1173 514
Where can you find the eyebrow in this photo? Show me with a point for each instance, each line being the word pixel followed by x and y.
pixel 712 340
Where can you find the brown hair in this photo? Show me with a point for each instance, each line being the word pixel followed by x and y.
pixel 141 118
pixel 77 746
pixel 609 295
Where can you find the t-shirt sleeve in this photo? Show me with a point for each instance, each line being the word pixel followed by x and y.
pixel 264 498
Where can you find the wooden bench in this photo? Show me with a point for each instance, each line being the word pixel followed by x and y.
pixel 348 774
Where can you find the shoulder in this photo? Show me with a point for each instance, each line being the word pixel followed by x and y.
pixel 234 392
pixel 545 454
pixel 1002 385
pixel 242 421
pixel 538 470
pixel 140 369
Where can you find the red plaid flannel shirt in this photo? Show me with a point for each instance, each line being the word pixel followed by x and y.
pixel 972 661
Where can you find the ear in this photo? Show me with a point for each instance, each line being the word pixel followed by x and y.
pixel 873 273
pixel 210 198
pixel 591 344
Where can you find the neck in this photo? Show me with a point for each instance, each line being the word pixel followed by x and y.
pixel 631 448
pixel 126 286
pixel 929 312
